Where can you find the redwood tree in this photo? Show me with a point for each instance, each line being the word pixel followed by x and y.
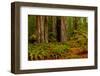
pixel 63 29
pixel 40 28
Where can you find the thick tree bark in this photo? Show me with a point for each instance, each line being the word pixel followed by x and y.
pixel 38 28
pixel 58 23
pixel 53 24
pixel 63 29
pixel 46 29
pixel 41 29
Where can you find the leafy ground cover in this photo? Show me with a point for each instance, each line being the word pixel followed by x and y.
pixel 54 50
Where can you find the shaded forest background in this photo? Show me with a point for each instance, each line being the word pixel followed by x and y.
pixel 57 37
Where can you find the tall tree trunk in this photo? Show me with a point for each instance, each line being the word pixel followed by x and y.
pixel 46 29
pixel 58 29
pixel 41 29
pixel 53 24
pixel 63 29
pixel 38 28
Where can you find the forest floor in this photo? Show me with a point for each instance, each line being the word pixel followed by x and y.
pixel 57 50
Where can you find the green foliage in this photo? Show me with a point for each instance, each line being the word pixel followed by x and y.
pixel 47 51
pixel 33 36
pixel 31 25
pixel 79 39
pixel 69 31
pixel 52 37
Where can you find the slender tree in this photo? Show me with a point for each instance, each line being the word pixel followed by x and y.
pixel 75 23
pixel 69 27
